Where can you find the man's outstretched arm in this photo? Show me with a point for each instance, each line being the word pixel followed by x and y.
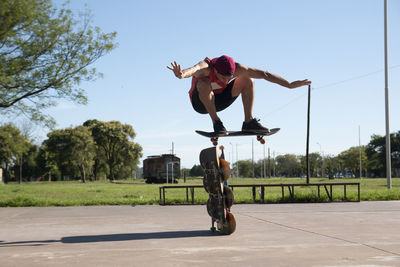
pixel 274 78
pixel 271 77
pixel 189 72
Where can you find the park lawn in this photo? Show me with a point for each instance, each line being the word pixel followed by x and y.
pixel 44 194
pixel 136 192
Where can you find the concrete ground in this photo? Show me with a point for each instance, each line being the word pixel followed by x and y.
pixel 332 234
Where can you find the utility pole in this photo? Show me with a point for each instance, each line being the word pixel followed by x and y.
pixel 308 135
pixel 269 164
pixel 359 145
pixel 252 155
pixel 264 162
pixel 388 152
pixel 273 156
pixel 231 160
pixel 237 161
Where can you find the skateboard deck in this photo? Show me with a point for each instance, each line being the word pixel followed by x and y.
pixel 220 196
pixel 260 135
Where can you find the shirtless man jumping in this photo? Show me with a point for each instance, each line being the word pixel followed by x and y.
pixel 217 82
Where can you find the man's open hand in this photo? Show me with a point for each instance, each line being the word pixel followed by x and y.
pixel 176 68
pixel 296 84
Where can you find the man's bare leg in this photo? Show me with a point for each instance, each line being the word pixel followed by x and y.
pixel 207 97
pixel 245 87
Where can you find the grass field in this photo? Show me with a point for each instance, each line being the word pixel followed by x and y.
pixel 136 192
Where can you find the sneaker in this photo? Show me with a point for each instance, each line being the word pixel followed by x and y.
pixel 219 127
pixel 254 126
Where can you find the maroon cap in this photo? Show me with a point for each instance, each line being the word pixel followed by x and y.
pixel 224 65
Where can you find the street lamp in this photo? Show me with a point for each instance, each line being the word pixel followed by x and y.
pixel 231 159
pixel 388 151
pixel 237 161
pixel 322 155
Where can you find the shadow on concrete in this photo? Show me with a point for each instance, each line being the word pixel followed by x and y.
pixel 33 243
pixel 112 238
pixel 136 236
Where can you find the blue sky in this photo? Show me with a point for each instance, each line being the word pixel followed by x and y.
pixel 337 44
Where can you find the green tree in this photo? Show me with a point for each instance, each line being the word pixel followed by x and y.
pixel 13 146
pixel 395 146
pixel 315 163
pixel 245 168
pixel 332 165
pixel 376 153
pixel 82 150
pixel 115 145
pixel 350 159
pixel 196 170
pixel 73 149
pixel 29 168
pixel 288 165
pixel 44 54
pixel 47 166
pixel 100 166
pixel 259 168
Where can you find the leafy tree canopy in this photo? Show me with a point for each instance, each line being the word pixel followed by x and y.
pixel 73 149
pixel 115 145
pixel 44 54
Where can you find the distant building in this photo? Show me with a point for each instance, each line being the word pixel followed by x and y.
pixel 156 169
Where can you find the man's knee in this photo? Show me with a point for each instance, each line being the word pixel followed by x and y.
pixel 242 84
pixel 247 82
pixel 204 87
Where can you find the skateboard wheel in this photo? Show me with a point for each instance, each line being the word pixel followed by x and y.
pixel 214 140
pixel 261 139
pixel 229 226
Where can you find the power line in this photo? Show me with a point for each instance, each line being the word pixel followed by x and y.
pixel 354 78
pixel 329 85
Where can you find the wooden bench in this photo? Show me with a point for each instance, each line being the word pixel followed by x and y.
pixel 291 188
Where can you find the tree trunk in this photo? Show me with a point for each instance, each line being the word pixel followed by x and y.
pixel 83 174
pixel 6 175
pixel 20 170
pixel 95 172
pixel 111 171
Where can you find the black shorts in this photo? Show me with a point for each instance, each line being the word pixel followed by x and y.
pixel 222 100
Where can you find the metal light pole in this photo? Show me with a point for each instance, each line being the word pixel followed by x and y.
pixel 322 156
pixel 308 135
pixel 167 172
pixel 237 161
pixel 273 156
pixel 359 145
pixel 252 155
pixel 269 163
pixel 388 152
pixel 264 162
pixel 231 160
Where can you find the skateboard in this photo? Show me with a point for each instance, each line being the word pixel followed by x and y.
pixel 260 135
pixel 220 197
